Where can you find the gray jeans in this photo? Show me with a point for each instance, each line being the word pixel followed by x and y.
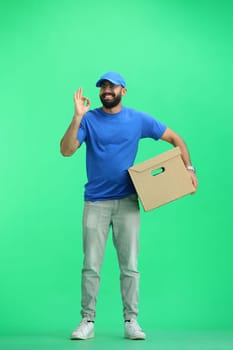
pixel 123 216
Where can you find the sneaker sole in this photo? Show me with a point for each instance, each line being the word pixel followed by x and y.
pixel 135 338
pixel 82 338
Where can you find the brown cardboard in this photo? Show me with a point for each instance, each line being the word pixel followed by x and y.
pixel 171 181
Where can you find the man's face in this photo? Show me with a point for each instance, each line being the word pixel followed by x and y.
pixel 110 94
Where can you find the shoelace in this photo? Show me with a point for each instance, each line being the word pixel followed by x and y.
pixel 84 322
pixel 133 324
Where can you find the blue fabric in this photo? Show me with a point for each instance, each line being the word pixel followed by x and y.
pixel 111 147
pixel 113 77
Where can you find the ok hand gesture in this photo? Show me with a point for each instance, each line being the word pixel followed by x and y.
pixel 81 103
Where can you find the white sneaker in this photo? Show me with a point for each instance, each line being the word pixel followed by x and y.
pixel 85 330
pixel 133 330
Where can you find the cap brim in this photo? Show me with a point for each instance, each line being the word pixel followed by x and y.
pixel 111 81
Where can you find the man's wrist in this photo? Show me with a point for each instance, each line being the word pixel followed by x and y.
pixel 78 116
pixel 190 167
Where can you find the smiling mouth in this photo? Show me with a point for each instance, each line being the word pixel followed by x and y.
pixel 107 96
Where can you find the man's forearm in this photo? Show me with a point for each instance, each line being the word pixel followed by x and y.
pixel 69 142
pixel 177 141
pixel 184 151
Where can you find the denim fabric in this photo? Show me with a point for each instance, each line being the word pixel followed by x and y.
pixel 124 218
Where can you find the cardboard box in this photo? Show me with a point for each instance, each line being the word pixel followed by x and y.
pixel 161 179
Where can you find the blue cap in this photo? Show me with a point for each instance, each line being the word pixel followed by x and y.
pixel 113 77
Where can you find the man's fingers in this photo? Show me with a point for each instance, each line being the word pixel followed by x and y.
pixel 80 92
pixel 78 97
pixel 194 181
pixel 87 101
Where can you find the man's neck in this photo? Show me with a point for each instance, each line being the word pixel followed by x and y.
pixel 113 110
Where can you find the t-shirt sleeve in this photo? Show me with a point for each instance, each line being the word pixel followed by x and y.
pixel 152 127
pixel 81 135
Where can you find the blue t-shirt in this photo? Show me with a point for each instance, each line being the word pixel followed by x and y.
pixel 111 148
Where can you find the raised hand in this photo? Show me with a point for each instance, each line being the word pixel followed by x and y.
pixel 81 103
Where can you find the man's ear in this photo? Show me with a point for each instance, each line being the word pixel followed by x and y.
pixel 123 91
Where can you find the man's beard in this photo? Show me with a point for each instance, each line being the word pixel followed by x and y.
pixel 112 103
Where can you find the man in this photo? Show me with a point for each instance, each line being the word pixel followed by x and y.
pixel 112 134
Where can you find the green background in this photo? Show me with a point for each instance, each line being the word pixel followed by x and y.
pixel 177 59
